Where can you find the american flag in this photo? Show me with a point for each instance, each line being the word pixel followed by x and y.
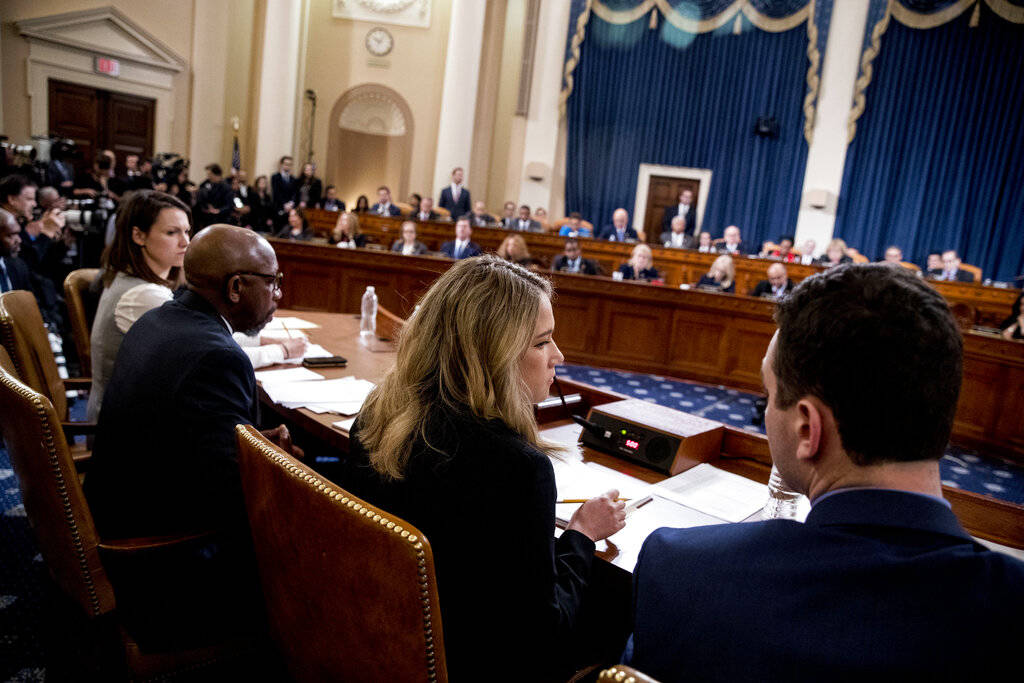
pixel 236 156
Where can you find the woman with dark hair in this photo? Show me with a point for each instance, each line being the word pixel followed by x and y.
pixel 297 227
pixel 308 187
pixel 362 204
pixel 1013 327
pixel 449 442
pixel 141 267
pixel 261 206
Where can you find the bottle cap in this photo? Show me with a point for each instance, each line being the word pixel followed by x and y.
pixel 370 289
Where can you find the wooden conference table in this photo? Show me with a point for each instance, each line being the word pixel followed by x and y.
pixel 741 453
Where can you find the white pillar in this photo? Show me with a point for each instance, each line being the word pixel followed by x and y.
pixel 540 152
pixel 458 96
pixel 278 79
pixel 826 156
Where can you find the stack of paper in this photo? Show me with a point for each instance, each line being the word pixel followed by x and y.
pixel 268 377
pixel 287 323
pixel 344 396
pixel 722 494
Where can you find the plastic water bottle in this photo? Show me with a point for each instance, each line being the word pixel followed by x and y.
pixel 368 318
pixel 782 500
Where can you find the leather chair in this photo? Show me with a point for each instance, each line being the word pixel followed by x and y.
pixel 911 266
pixel 388 324
pixel 349 589
pixel 620 673
pixel 26 340
pixel 973 270
pixel 63 525
pixel 81 311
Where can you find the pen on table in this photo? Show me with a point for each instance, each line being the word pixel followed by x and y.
pixel 582 500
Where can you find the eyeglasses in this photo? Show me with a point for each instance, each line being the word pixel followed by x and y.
pixel 277 278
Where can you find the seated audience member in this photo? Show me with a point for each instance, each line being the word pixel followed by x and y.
pixel 619 230
pixel 309 188
pixel 685 209
pixel 384 207
pixel 525 222
pixel 572 261
pixel 14 274
pixel 893 254
pixel 408 244
pixel 455 196
pixel 449 431
pixel 732 244
pixel 462 246
pixel 331 201
pixel 425 212
pixel 513 248
pixel 677 238
pixel 1013 327
pixel 807 252
pixel 835 254
pixel 508 216
pixel 479 218
pixel 346 233
pixel 362 204
pixel 640 265
pixel 784 250
pixel 776 286
pixel 951 268
pixel 414 203
pixel 933 265
pixel 575 227
pixel 261 206
pixel 721 277
pixel 165 459
pixel 705 245
pixel 862 380
pixel 297 227
pixel 540 215
pixel 214 201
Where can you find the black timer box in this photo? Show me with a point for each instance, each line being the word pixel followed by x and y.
pixel 668 440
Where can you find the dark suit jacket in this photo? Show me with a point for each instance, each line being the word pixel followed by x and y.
pixel 764 288
pixel 689 241
pixel 418 247
pixel 432 216
pixel 608 233
pixel 332 205
pixel 42 288
pixel 313 192
pixel 458 208
pixel 673 211
pixel 392 210
pixel 587 266
pixel 875 585
pixel 481 221
pixel 709 282
pixel 964 276
pixel 741 249
pixel 283 191
pixel 164 459
pixel 507 223
pixel 629 273
pixel 532 225
pixel 472 249
pixel 494 609
pixel 18 273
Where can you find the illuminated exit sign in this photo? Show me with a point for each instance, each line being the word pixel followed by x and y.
pixel 107 66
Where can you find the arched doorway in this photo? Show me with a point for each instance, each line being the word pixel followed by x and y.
pixel 369 143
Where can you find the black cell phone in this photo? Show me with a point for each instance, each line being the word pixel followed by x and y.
pixel 326 362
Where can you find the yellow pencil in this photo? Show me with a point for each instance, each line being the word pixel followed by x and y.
pixel 582 500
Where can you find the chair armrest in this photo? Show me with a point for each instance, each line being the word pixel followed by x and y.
pixel 78 383
pixel 73 428
pixel 127 546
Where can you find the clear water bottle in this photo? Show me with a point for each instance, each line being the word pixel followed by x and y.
pixel 368 318
pixel 782 500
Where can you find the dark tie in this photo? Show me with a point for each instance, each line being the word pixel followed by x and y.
pixel 458 252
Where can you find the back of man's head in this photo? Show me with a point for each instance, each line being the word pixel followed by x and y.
pixel 880 348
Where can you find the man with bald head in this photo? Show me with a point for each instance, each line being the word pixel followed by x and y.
pixel 733 244
pixel 776 286
pixel 619 230
pixel 164 460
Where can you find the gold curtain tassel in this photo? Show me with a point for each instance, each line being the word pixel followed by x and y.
pixel 976 15
pixel 737 28
pixel 654 19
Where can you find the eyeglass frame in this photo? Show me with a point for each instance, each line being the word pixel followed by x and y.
pixel 277 278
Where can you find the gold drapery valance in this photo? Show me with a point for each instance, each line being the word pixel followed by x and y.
pixel 689 25
pixel 917 20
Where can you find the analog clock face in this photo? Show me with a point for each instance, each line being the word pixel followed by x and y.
pixel 379 42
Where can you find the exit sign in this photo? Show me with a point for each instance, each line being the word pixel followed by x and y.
pixel 107 66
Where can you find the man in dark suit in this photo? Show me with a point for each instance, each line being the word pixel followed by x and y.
pixel 214 202
pixel 479 217
pixel 951 268
pixel 425 212
pixel 455 197
pixel 331 201
pixel 733 244
pixel 677 238
pixel 619 230
pixel 572 261
pixel 165 459
pixel 462 246
pixel 525 222
pixel 862 380
pixel 282 188
pixel 686 209
pixel 384 207
pixel 776 286
pixel 14 274
pixel 508 216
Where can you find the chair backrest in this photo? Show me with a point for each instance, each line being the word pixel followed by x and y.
pixel 856 255
pixel 443 212
pixel 52 495
pixel 620 673
pixel 25 337
pixel 973 270
pixel 81 311
pixel 7 364
pixel 911 266
pixel 388 324
pixel 350 590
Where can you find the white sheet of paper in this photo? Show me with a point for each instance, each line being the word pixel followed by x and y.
pixel 587 480
pixel 290 323
pixel 317 351
pixel 716 492
pixel 344 425
pixel 660 512
pixel 291 375
pixel 333 391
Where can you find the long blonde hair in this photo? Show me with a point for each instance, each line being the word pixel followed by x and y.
pixel 637 251
pixel 511 242
pixel 727 267
pixel 459 353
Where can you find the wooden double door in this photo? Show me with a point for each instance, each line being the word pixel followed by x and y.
pixel 100 119
pixel 663 191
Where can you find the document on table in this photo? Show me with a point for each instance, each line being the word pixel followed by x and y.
pixel 577 480
pixel 290 323
pixel 344 396
pixel 719 493
pixel 290 375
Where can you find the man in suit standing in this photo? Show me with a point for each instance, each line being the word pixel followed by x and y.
pixel 733 244
pixel 282 188
pixel 525 223
pixel 455 197
pixel 677 237
pixel 619 230
pixel 776 286
pixel 686 209
pixel 384 207
pixel 951 268
pixel 572 261
pixel 862 379
pixel 462 246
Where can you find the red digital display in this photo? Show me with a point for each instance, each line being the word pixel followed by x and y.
pixel 632 444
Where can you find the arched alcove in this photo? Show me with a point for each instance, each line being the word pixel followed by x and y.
pixel 370 143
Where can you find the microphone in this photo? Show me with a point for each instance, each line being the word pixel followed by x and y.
pixel 594 429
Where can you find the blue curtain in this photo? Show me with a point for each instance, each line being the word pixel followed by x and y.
pixel 938 159
pixel 668 97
